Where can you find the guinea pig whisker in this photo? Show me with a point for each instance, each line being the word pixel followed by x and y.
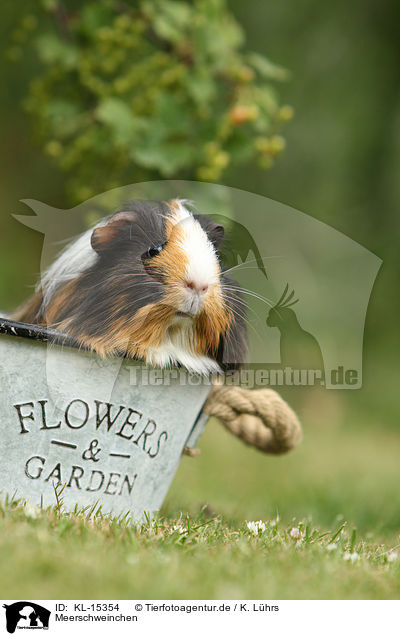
pixel 244 318
pixel 143 297
pixel 257 296
pixel 247 262
pixel 133 275
pixel 113 279
pixel 150 281
pixel 234 307
pixel 250 293
pixel 237 313
pixel 240 267
pixel 237 301
pixel 130 274
pixel 229 336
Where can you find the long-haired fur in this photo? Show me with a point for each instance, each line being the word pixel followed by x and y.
pixel 122 287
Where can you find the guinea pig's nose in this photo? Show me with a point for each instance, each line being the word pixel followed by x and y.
pixel 198 288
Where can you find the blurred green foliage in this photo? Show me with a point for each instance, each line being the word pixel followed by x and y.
pixel 145 89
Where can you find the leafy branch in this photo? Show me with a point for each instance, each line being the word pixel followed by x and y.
pixel 147 89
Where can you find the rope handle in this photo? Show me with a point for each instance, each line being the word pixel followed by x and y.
pixel 260 418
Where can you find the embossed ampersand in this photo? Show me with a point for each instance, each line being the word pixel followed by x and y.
pixel 92 451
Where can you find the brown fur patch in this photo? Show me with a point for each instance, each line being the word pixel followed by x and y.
pixel 135 335
pixel 58 304
pixel 103 236
pixel 214 319
pixel 172 261
pixel 30 311
pixel 209 328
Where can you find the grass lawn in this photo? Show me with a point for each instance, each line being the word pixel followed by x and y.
pixel 330 511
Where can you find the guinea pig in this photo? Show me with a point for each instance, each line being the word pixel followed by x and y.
pixel 146 282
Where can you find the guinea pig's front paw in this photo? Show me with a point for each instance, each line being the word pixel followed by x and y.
pixel 169 356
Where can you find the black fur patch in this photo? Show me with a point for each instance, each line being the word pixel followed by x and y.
pixel 118 284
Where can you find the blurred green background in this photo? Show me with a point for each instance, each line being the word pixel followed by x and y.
pixel 340 166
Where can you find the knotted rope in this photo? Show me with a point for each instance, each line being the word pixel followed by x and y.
pixel 260 418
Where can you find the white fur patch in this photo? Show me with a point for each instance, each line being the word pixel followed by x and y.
pixel 177 348
pixel 73 260
pixel 166 356
pixel 202 268
pixel 203 271
pixel 171 353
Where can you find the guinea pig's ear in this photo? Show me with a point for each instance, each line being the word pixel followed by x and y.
pixel 216 234
pixel 104 235
pixel 214 231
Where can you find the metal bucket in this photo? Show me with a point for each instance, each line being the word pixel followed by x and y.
pixel 111 431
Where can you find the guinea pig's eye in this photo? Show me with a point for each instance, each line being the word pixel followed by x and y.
pixel 152 251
